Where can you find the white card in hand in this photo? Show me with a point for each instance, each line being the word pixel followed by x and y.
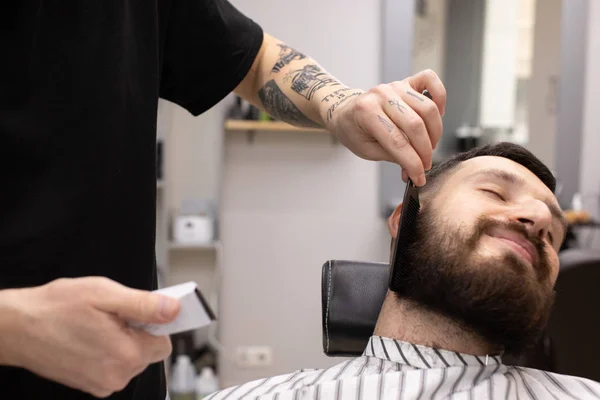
pixel 194 311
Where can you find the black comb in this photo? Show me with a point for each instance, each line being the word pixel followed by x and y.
pixel 407 230
pixel 404 238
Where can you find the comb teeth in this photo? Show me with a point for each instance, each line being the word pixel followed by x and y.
pixel 405 237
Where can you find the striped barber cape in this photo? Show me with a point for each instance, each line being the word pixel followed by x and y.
pixel 391 369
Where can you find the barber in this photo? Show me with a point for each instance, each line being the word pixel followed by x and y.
pixel 79 85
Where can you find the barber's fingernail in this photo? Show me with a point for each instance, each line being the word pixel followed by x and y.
pixel 167 307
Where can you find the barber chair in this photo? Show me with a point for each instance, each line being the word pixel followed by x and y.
pixel 574 327
pixel 352 294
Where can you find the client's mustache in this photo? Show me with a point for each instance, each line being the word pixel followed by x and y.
pixel 487 225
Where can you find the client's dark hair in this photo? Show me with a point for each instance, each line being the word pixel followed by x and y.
pixel 511 151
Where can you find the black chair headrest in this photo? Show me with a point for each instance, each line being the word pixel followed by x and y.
pixel 574 326
pixel 352 294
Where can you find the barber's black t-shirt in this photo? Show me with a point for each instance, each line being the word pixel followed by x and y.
pixel 79 86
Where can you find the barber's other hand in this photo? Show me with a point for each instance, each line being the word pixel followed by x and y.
pixel 73 331
pixel 394 122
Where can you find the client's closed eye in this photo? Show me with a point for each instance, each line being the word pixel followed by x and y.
pixel 494 193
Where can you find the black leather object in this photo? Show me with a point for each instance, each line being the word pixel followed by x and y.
pixel 574 326
pixel 351 298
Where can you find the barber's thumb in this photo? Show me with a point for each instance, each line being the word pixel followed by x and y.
pixel 147 307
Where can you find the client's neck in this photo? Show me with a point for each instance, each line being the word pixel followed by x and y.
pixel 409 322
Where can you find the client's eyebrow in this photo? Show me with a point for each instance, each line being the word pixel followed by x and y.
pixel 517 180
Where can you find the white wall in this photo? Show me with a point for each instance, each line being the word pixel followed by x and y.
pixel 499 64
pixel 292 201
pixel 590 143
pixel 526 31
pixel 195 149
pixel 194 153
pixel 430 38
pixel 543 85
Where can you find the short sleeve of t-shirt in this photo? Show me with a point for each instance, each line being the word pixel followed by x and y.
pixel 209 46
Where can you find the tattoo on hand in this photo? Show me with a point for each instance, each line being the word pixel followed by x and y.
pixel 343 98
pixel 286 56
pixel 396 103
pixel 309 79
pixel 386 123
pixel 281 107
pixel 416 96
pixel 338 94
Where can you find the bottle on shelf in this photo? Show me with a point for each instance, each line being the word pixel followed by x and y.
pixel 206 383
pixel 183 379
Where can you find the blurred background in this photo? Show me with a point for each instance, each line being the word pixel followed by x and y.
pixel 251 210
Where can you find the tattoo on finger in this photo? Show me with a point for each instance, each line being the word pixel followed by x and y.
pixel 386 123
pixel 396 103
pixel 416 96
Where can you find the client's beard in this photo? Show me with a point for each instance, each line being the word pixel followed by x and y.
pixel 495 297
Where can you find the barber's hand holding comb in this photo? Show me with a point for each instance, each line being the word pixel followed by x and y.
pixel 396 122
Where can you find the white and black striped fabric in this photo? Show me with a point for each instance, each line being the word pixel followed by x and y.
pixel 391 369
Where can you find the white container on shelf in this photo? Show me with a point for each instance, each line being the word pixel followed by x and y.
pixel 193 229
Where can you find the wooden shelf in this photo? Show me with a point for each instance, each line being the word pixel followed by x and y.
pixel 202 247
pixel 242 125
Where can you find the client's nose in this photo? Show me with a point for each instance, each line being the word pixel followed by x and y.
pixel 536 217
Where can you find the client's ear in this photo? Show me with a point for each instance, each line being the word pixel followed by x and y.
pixel 394 220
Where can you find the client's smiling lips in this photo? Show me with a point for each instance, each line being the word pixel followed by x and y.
pixel 519 243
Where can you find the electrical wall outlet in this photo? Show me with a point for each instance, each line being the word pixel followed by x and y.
pixel 254 356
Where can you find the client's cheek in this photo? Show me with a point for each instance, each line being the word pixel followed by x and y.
pixel 554 267
pixel 488 247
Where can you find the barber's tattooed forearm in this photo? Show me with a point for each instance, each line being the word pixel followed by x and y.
pixel 343 96
pixel 281 107
pixel 397 104
pixel 286 56
pixel 309 79
pixel 415 95
pixel 386 123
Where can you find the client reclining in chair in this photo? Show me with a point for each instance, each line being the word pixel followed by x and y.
pixel 482 272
